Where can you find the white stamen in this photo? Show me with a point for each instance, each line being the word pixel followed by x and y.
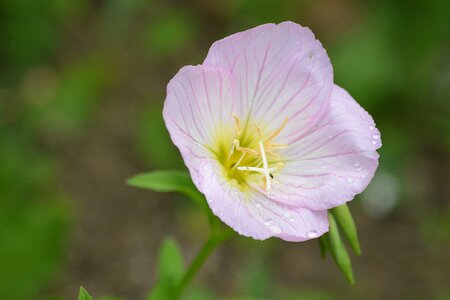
pixel 254 169
pixel 265 167
pixel 265 170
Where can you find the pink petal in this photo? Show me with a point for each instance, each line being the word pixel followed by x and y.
pixel 252 214
pixel 280 71
pixel 332 163
pixel 198 106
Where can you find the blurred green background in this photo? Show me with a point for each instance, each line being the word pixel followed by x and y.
pixel 82 84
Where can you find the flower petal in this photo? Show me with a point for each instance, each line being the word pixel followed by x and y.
pixel 332 163
pixel 252 214
pixel 280 71
pixel 198 107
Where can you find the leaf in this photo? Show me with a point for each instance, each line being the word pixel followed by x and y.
pixel 168 181
pixel 170 260
pixel 338 251
pixel 84 295
pixel 344 218
pixel 170 270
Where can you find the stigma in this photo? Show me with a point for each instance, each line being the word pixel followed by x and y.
pixel 254 153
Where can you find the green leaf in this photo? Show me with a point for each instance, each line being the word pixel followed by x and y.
pixel 170 260
pixel 344 218
pixel 84 295
pixel 338 251
pixel 170 270
pixel 168 181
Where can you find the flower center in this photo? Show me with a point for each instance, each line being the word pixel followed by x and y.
pixel 252 155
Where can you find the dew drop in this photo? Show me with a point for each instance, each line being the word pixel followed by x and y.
pixel 291 220
pixel 376 136
pixel 363 176
pixel 287 215
pixel 356 165
pixel 363 116
pixel 275 229
pixel 258 205
pixel 312 234
pixel 350 180
pixel 371 127
pixel 374 142
pixel 268 222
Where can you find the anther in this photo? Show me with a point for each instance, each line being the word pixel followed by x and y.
pixel 237 124
pixel 244 149
pixel 276 132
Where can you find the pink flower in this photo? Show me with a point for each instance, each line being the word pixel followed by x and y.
pixel 267 136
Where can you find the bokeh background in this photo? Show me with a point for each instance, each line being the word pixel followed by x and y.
pixel 82 84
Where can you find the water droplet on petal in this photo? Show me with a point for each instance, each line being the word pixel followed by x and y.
pixel 356 165
pixel 287 215
pixel 268 222
pixel 312 234
pixel 363 116
pixel 374 142
pixel 258 205
pixel 371 127
pixel 275 229
pixel 291 220
pixel 363 176
pixel 350 180
pixel 376 136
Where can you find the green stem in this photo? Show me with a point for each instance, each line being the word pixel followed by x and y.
pixel 215 239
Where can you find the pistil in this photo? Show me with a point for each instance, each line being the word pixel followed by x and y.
pixel 255 160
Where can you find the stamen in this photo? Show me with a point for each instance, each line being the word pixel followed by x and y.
pixel 265 170
pixel 253 169
pixel 266 148
pixel 258 129
pixel 273 154
pixel 239 161
pixel 237 124
pixel 277 146
pixel 232 150
pixel 265 167
pixel 276 132
pixel 244 149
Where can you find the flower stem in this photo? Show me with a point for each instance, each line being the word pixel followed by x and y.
pixel 216 237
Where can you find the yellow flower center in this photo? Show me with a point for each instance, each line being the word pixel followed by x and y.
pixel 251 155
